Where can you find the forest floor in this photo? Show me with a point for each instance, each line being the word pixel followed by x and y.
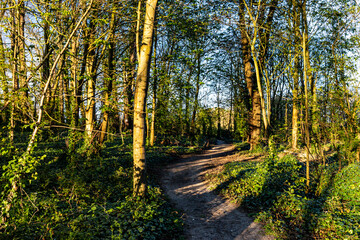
pixel 207 215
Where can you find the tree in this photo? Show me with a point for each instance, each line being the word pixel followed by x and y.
pixel 139 133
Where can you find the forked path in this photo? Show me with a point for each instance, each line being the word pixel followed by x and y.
pixel 207 216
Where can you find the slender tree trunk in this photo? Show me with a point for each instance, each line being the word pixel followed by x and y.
pixel 153 118
pixel 307 128
pixel 231 110
pixel 82 77
pixel 129 83
pixel 21 43
pixel 258 84
pixel 264 36
pixel 3 67
pixel 295 75
pixel 255 112
pixel 108 81
pixel 14 71
pixel 74 82
pixel 218 113
pixel 187 103
pixel 62 91
pixel 139 135
pixel 91 83
pixel 313 113
pixel 196 99
pixel 307 79
pixel 46 63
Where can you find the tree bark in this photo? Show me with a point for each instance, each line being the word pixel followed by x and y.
pixel 91 69
pixel 153 113
pixel 139 134
pixel 196 99
pixel 307 128
pixel 3 67
pixel 14 71
pixel 295 75
pixel 255 112
pixel 110 68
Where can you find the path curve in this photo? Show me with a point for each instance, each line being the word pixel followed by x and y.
pixel 207 216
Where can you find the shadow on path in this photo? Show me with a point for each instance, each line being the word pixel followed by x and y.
pixel 207 216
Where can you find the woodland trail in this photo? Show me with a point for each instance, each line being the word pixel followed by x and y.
pixel 207 216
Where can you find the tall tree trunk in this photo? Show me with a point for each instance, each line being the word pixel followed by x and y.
pixel 218 112
pixel 139 135
pixel 307 128
pixel 21 59
pixel 46 62
pixel 74 82
pixel 109 78
pixel 307 79
pixel 61 93
pixel 313 114
pixel 264 36
pixel 82 77
pixel 295 75
pixel 196 98
pixel 14 71
pixel 153 113
pixel 255 112
pixel 91 83
pixel 130 66
pixel 187 103
pixel 3 67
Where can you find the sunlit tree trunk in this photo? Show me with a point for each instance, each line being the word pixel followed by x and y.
pixel 3 67
pixel 308 79
pixel 139 134
pixel 91 81
pixel 74 82
pixel 14 71
pixel 266 24
pixel 295 75
pixel 21 43
pixel 255 112
pixel 109 78
pixel 307 128
pixel 153 113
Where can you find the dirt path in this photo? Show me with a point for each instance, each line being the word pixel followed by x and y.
pixel 207 216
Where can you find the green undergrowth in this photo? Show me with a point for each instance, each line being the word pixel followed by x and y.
pixel 274 191
pixel 76 195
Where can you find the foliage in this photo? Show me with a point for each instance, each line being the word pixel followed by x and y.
pixel 341 215
pixel 82 196
pixel 275 191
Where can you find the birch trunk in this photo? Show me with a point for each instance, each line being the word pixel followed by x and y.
pixel 139 175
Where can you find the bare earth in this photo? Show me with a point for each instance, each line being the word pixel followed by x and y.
pixel 207 216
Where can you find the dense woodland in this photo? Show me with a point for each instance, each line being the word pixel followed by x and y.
pixel 95 95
